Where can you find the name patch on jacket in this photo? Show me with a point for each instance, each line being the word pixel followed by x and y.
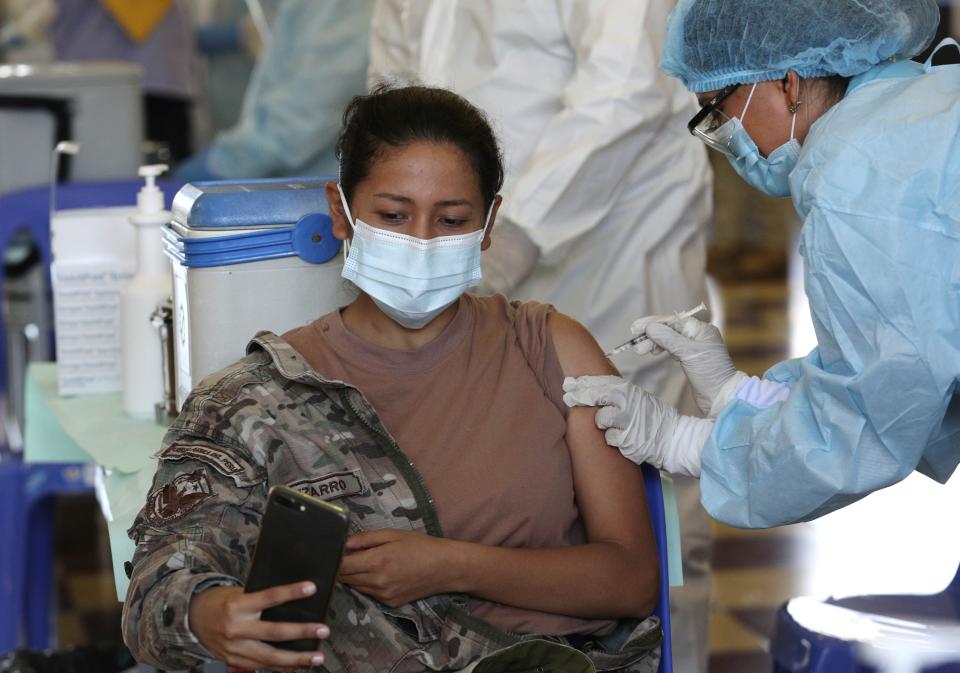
pixel 219 458
pixel 176 499
pixel 332 486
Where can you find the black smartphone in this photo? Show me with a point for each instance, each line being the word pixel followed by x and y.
pixel 301 539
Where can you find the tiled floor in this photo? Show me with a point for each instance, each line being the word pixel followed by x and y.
pixel 89 612
pixel 754 571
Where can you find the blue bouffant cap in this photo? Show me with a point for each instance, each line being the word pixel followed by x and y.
pixel 714 43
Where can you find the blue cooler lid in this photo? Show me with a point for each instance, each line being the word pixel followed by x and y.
pixel 248 204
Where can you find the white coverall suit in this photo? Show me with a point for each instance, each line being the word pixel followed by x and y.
pixel 602 178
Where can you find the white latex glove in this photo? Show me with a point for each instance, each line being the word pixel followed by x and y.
pixel 644 428
pixel 703 354
pixel 639 328
pixel 508 261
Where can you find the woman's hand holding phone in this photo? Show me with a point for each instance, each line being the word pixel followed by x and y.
pixel 227 622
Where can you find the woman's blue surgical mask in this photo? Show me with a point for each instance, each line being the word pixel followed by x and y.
pixel 770 174
pixel 410 279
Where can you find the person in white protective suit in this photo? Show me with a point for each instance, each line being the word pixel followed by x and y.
pixel 606 200
pixel 314 62
pixel 818 100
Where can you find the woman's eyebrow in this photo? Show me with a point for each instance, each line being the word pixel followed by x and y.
pixel 394 197
pixel 407 199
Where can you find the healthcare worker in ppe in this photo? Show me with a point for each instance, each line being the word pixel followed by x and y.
pixel 815 99
pixel 605 197
pixel 314 63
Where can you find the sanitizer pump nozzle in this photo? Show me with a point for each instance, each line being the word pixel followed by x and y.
pixel 150 198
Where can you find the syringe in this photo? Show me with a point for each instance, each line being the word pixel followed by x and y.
pixel 670 322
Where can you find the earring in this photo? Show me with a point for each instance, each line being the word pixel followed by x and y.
pixel 794 107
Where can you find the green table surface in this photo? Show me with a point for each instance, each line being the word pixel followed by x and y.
pixel 94 429
pixel 87 428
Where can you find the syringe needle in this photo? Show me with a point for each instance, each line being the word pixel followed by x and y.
pixel 674 320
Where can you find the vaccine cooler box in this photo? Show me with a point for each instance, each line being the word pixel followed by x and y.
pixel 247 256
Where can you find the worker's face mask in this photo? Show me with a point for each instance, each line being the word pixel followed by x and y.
pixel 770 174
pixel 410 279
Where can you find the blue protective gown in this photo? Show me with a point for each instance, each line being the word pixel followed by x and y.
pixel 293 108
pixel 878 188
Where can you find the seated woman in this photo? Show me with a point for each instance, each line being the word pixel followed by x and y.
pixel 490 521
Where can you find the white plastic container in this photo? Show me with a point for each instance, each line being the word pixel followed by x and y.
pixel 98 105
pixel 94 253
pixel 142 357
pixel 247 256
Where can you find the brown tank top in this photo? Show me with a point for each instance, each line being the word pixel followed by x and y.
pixel 479 410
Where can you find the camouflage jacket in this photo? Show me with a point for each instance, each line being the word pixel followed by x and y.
pixel 270 419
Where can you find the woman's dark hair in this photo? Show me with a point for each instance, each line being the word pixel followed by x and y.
pixel 393 117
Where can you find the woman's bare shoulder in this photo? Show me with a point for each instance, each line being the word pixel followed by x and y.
pixel 577 350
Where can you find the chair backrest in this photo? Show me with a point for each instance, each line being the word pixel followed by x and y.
pixel 651 481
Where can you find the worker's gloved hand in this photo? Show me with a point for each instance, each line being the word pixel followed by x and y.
pixel 644 428
pixel 196 168
pixel 639 328
pixel 508 261
pixel 703 354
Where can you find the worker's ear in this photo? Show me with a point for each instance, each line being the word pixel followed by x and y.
pixel 791 90
pixel 497 200
pixel 341 224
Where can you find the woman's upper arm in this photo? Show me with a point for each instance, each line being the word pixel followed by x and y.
pixel 609 488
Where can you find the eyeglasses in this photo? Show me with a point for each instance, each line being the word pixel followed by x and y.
pixel 709 119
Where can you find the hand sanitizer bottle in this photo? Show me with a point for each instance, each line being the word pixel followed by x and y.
pixel 142 361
